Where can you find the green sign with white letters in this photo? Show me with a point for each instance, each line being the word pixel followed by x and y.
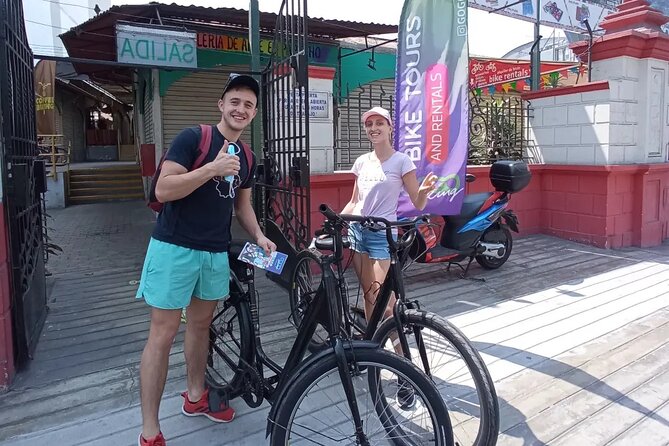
pixel 155 46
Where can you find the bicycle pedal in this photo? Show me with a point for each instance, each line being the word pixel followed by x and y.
pixel 215 399
pixel 357 310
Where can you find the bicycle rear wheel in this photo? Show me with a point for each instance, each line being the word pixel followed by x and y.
pixel 315 409
pixel 457 370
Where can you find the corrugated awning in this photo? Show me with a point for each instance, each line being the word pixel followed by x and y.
pixel 96 38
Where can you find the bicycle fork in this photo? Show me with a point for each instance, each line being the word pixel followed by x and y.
pixel 398 316
pixel 340 354
pixel 347 382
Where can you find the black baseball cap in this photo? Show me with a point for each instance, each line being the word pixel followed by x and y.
pixel 239 80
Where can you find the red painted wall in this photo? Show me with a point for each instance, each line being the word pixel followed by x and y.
pixel 332 189
pixel 604 206
pixel 6 349
pixel 651 224
pixel 336 189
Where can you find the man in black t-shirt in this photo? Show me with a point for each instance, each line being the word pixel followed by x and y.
pixel 186 263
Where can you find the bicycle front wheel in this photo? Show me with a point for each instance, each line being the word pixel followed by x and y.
pixel 316 410
pixel 457 370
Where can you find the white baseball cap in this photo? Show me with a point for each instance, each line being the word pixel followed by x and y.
pixel 380 111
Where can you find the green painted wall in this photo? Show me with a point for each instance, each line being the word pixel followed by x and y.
pixel 328 55
pixel 205 59
pixel 355 70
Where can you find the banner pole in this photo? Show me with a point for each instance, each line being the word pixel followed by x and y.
pixel 536 53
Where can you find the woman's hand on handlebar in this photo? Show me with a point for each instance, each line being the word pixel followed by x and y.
pixel 369 220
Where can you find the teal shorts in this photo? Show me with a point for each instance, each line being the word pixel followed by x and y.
pixel 172 274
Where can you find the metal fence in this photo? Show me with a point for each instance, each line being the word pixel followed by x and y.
pixel 498 128
pixel 350 137
pixel 24 181
pixel 283 183
pixel 498 125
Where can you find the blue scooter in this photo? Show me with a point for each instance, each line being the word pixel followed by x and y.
pixel 482 230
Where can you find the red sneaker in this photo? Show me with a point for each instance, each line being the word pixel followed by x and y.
pixel 158 440
pixel 190 409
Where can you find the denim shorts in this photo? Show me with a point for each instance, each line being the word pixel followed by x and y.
pixel 172 274
pixel 372 243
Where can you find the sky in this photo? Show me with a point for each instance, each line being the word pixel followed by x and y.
pixel 46 19
pixel 490 35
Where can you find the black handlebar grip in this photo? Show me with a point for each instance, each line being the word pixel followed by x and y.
pixel 329 213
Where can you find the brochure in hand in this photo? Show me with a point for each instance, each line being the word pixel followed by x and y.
pixel 256 256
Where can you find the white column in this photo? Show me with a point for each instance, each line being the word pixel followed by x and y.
pixel 654 127
pixel 321 125
pixel 639 130
pixel 157 110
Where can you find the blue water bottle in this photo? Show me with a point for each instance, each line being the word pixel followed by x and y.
pixel 231 151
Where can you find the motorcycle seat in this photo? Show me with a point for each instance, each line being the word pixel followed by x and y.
pixel 472 204
pixel 441 251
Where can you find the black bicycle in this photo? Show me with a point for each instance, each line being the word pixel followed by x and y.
pixel 427 339
pixel 347 393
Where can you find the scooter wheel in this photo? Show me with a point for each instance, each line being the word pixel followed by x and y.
pixel 496 235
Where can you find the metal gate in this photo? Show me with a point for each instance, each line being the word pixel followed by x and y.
pixel 350 137
pixel 498 125
pixel 498 128
pixel 23 180
pixel 283 181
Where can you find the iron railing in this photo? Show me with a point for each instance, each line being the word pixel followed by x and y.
pixel 282 192
pixel 498 125
pixel 55 154
pixel 23 178
pixel 498 128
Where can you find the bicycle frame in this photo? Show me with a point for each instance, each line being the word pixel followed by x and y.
pixel 326 311
pixel 393 282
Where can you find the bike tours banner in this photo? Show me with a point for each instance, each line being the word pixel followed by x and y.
pixel 431 99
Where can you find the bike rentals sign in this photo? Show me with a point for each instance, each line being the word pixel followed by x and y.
pixel 431 109
pixel 484 72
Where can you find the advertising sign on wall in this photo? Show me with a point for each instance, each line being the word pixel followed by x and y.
pixel 155 46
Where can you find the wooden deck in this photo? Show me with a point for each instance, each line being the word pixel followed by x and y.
pixel 576 339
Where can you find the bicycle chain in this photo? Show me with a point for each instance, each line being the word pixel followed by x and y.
pixel 253 387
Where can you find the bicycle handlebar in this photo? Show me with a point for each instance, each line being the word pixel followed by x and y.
pixel 372 223
pixel 334 217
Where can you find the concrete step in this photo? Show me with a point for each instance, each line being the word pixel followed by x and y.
pixel 116 183
pixel 104 182
pixel 106 170
pixel 85 199
pixel 77 176
pixel 121 190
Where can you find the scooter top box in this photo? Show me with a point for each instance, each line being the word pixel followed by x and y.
pixel 510 176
